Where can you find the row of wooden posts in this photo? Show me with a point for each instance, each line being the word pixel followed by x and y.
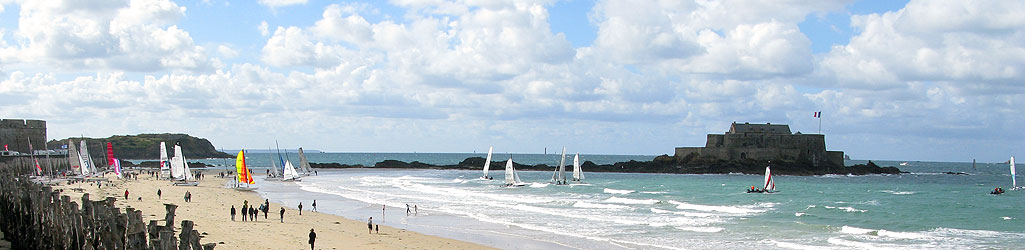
pixel 34 216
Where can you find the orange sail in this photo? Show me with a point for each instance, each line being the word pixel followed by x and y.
pixel 243 171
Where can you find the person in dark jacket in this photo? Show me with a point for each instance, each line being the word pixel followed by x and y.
pixel 313 237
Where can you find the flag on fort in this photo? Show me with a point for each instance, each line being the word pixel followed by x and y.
pixel 5 147
pixel 818 114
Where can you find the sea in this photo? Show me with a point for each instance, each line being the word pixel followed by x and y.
pixel 924 209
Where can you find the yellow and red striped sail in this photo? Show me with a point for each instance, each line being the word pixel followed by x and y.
pixel 243 171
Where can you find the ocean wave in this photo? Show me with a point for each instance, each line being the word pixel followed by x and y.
pixel 847 209
pixel 881 233
pixel 702 229
pixel 791 245
pixel 1006 218
pixel 614 199
pixel 798 214
pixel 687 214
pixel 617 191
pixel 898 192
pixel 584 204
pixel 710 208
pixel 538 185
pixel 654 192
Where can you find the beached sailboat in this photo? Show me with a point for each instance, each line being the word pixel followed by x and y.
pixel 304 164
pixel 511 178
pixel 165 164
pixel 242 175
pixel 180 171
pixel 73 159
pixel 487 165
pixel 559 177
pixel 578 173
pixel 768 186
pixel 290 173
pixel 88 169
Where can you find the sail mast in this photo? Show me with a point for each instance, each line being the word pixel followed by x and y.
pixel 487 162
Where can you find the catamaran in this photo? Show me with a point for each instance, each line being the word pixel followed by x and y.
pixel 304 164
pixel 559 177
pixel 165 164
pixel 578 174
pixel 487 165
pixel 769 185
pixel 290 173
pixel 73 159
pixel 511 178
pixel 1014 181
pixel 180 171
pixel 243 175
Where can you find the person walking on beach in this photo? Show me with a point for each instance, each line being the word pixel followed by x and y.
pixel 415 210
pixel 282 212
pixel 265 209
pixel 126 194
pixel 188 196
pixel 158 194
pixel 253 212
pixel 245 208
pixel 300 208
pixel 314 205
pixel 232 212
pixel 370 225
pixel 313 237
pixel 407 209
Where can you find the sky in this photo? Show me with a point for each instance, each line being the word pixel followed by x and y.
pixel 937 80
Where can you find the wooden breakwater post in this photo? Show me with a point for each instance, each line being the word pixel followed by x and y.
pixel 34 216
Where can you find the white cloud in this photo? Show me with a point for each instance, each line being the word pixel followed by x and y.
pixel 263 28
pixel 226 51
pixel 281 3
pixel 134 36
pixel 956 41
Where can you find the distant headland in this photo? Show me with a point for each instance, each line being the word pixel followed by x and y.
pixel 147 146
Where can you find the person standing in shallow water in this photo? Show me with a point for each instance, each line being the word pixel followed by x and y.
pixel 313 238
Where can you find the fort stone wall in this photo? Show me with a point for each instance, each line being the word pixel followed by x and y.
pixel 16 134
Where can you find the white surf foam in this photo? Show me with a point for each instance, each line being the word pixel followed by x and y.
pixel 709 208
pixel 857 230
pixel 798 214
pixel 617 191
pixel 654 192
pixel 584 204
pixel 898 192
pixel 847 209
pixel 614 199
pixel 538 185
pixel 702 229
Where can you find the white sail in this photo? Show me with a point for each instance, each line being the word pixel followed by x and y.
pixel 303 163
pixel 86 160
pixel 165 165
pixel 560 175
pixel 179 165
pixel 770 185
pixel 509 180
pixel 578 174
pixel 74 159
pixel 487 163
pixel 185 163
pixel 290 173
pixel 1014 181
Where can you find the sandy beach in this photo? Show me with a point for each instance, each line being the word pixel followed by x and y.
pixel 210 210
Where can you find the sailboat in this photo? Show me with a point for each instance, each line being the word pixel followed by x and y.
pixel 88 168
pixel 559 177
pixel 511 178
pixel 165 164
pixel 769 186
pixel 73 159
pixel 578 173
pixel 290 173
pixel 304 164
pixel 180 171
pixel 1014 181
pixel 487 165
pixel 243 175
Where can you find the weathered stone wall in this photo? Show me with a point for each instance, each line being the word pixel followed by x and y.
pixel 16 133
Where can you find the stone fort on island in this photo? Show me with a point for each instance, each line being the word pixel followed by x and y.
pixel 765 142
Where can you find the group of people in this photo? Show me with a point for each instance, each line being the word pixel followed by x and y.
pixel 998 190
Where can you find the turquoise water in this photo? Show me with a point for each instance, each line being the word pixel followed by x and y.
pixel 924 209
